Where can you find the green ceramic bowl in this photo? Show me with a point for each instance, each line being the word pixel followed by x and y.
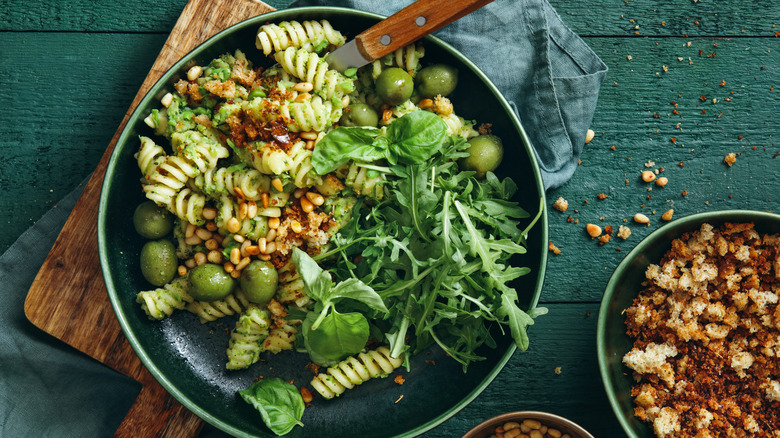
pixel 188 358
pixel 624 285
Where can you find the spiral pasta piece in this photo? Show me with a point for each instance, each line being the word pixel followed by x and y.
pixel 271 160
pixel 314 115
pixel 310 67
pixel 149 156
pixel 301 170
pixel 407 58
pixel 355 370
pixel 199 150
pixel 209 311
pixel 162 302
pixel 280 339
pixel 365 181
pixel 309 35
pixel 291 288
pixel 247 338
pixel 224 180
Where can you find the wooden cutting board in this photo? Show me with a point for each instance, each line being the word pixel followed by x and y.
pixel 68 298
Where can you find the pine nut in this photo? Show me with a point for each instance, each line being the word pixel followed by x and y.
pixel 233 225
pixel 239 193
pixel 214 256
pixel 512 433
pixel 244 246
pixel 264 199
pixel 251 209
pixel 345 101
pixel 533 424
pixel 264 257
pixel 303 87
pixel 209 213
pixel 310 144
pixel 270 248
pixel 593 230
pixel 554 433
pixel 262 244
pixel 306 395
pixel 211 244
pixel 386 115
pixel 211 226
pixel 278 185
pixel 509 425
pixel 235 256
pixel 236 273
pixel 309 135
pixel 193 240
pixel 181 270
pixel 190 231
pixel 303 97
pixel 306 205
pixel 270 235
pixel 194 72
pixel 252 250
pixel 242 211
pixel 667 216
pixel 297 193
pixel 315 198
pixel 200 258
pixel 190 263
pixel 662 181
pixel 229 267
pixel 274 222
pixel 642 219
pixel 589 136
pixel 167 100
pixel 425 104
pixel 242 264
pixel 296 226
pixel 203 234
pixel 536 434
pixel 648 176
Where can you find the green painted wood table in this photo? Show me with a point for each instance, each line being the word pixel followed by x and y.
pixel 689 83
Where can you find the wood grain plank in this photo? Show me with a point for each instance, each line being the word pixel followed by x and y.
pixel 595 17
pixel 67 298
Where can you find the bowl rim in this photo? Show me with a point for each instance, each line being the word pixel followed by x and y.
pixel 541 227
pixel 537 415
pixel 688 222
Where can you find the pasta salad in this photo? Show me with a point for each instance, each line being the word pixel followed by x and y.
pixel 353 217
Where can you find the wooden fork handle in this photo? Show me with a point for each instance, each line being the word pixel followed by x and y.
pixel 412 23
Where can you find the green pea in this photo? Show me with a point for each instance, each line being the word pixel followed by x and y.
pixel 394 86
pixel 159 262
pixel 152 221
pixel 210 282
pixel 486 154
pixel 258 281
pixel 359 114
pixel 436 79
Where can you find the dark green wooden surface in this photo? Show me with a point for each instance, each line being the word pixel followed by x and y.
pixel 68 71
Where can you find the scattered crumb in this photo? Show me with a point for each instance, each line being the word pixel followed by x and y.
pixel 730 159
pixel 399 379
pixel 554 249
pixel 623 232
pixel 558 370
pixel 561 204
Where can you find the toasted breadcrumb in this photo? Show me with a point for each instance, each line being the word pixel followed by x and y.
pixel 554 249
pixel 561 204
pixel 624 232
pixel 730 159
pixel 706 331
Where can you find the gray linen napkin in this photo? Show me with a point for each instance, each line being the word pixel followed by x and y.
pixel 549 74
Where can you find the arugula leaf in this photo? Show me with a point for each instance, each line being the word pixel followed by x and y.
pixel 279 403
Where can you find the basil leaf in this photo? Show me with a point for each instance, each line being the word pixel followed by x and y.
pixel 279 403
pixel 416 136
pixel 339 335
pixel 347 143
pixel 357 290
pixel 317 281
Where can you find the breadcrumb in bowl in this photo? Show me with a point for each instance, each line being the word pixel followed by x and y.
pixel 614 344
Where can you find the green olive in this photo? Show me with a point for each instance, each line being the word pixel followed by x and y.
pixel 210 282
pixel 486 154
pixel 436 79
pixel 394 86
pixel 159 262
pixel 258 281
pixel 152 221
pixel 359 114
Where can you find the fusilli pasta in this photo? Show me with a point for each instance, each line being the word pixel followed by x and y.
pixel 163 301
pixel 355 370
pixel 309 35
pixel 247 337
